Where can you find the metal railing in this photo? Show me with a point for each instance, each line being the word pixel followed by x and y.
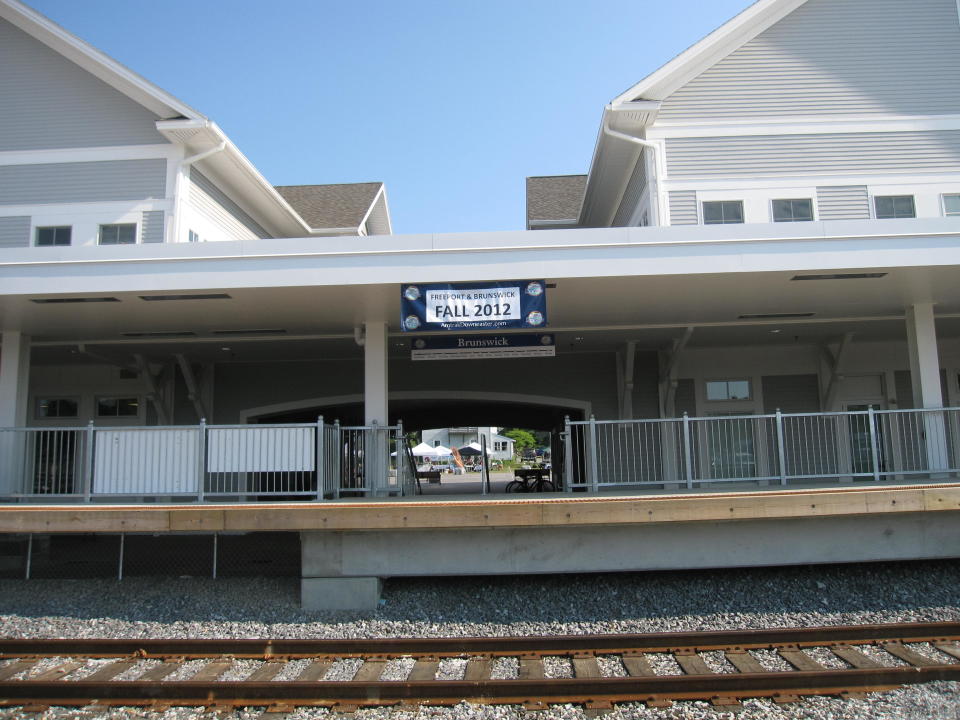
pixel 203 462
pixel 776 448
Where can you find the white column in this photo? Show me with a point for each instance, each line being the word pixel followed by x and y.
pixel 925 378
pixel 14 378
pixel 14 386
pixel 375 406
pixel 375 385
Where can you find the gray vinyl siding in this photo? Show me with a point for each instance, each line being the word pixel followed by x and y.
pixel 49 102
pixel 151 231
pixel 213 202
pixel 686 397
pixel 791 393
pixel 631 195
pixel 843 202
pixel 904 388
pixel 835 57
pixel 683 207
pixel 834 153
pixel 15 231
pixel 83 182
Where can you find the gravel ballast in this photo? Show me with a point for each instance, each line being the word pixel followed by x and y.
pixel 552 604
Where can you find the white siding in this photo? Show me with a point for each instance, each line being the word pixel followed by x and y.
pixel 815 154
pixel 836 57
pixel 843 202
pixel 633 192
pixel 83 182
pixel 49 102
pixel 151 230
pixel 224 212
pixel 683 207
pixel 15 231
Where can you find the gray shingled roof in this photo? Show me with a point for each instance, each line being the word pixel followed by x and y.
pixel 331 206
pixel 555 197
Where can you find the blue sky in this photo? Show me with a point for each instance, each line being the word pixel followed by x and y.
pixel 451 103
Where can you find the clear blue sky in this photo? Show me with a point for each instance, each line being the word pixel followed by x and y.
pixel 451 103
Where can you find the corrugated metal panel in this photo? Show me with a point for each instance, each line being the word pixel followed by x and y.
pixel 214 203
pixel 49 102
pixel 790 393
pixel 145 463
pixel 836 57
pixel 683 207
pixel 631 195
pixel 15 231
pixel 83 182
pixel 814 154
pixel 843 202
pixel 152 228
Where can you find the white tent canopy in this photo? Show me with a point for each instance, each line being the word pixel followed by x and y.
pixel 442 451
pixel 424 450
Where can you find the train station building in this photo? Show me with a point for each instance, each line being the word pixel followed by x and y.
pixel 751 293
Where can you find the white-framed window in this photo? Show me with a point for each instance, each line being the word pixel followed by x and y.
pixel 951 204
pixel 118 406
pixel 732 389
pixel 722 212
pixel 795 210
pixel 54 236
pixel 118 234
pixel 889 207
pixel 58 407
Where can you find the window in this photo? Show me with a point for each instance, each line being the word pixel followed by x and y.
pixel 125 234
pixel 57 407
pixel 723 212
pixel 193 236
pixel 951 205
pixel 728 390
pixel 894 206
pixel 50 236
pixel 792 210
pixel 118 407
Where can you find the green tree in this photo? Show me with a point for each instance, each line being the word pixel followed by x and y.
pixel 522 439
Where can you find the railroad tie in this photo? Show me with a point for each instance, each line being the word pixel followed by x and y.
pixel 636 664
pixel 266 672
pixel 211 671
pixel 57 672
pixel 743 661
pixel 585 666
pixel 477 669
pixel 691 663
pixel 910 656
pixel 531 668
pixel 109 672
pixel 424 671
pixel 953 650
pixel 370 671
pixel 799 659
pixel 853 656
pixel 16 667
pixel 314 671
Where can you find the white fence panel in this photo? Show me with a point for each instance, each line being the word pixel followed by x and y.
pixel 146 462
pixel 261 449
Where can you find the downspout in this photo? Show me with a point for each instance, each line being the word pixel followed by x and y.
pixel 182 178
pixel 654 149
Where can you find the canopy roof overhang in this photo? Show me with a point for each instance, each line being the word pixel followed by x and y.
pixel 735 284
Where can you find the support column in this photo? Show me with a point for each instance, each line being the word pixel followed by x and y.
pixel 925 379
pixel 14 389
pixel 375 381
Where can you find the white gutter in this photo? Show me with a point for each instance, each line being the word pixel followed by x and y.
pixel 659 210
pixel 188 161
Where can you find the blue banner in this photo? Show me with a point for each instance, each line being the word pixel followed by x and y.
pixel 473 306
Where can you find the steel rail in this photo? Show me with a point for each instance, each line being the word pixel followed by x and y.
pixel 495 646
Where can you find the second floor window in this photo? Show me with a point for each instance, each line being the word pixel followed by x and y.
pixel 123 234
pixel 723 212
pixel 894 206
pixel 792 210
pixel 951 205
pixel 118 407
pixel 50 236
pixel 57 407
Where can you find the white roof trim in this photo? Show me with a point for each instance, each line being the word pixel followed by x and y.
pixel 714 47
pixel 95 62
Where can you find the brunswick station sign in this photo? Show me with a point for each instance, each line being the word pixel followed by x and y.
pixel 465 347
pixel 473 306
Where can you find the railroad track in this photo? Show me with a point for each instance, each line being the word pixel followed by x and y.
pixel 601 670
